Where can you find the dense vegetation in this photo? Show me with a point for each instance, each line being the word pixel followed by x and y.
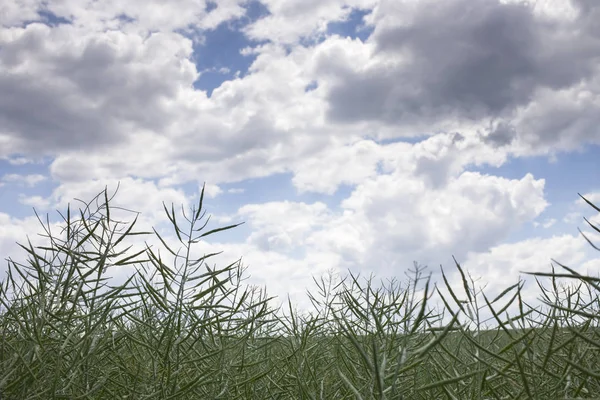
pixel 191 331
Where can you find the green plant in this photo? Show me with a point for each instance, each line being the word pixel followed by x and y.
pixel 190 331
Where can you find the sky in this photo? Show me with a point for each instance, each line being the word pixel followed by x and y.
pixel 347 135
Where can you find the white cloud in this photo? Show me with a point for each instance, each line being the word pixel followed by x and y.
pixel 572 217
pixel 16 12
pixel 13 231
pixel 283 226
pixel 139 17
pixel 37 202
pixel 211 191
pixel 343 165
pixel 88 88
pixel 565 119
pixel 28 180
pixel 133 198
pixel 593 197
pixel 282 275
pixel 591 268
pixel 291 20
pixel 502 264
pixel 254 126
pixel 546 224
pixel 136 195
pixel 505 264
pixel 390 220
pixel 473 212
pixel 448 66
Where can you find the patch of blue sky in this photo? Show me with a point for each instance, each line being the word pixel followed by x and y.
pixel 211 5
pixel 353 26
pixel 125 18
pixel 311 86
pixel 218 56
pixel 47 17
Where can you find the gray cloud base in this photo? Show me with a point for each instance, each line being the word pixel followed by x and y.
pixel 468 60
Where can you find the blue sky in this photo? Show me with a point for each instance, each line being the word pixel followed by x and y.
pixel 346 134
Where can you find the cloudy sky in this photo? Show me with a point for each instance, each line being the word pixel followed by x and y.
pixel 354 135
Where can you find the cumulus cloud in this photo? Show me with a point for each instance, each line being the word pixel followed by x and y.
pixel 505 264
pixel 560 120
pixel 458 62
pixel 283 226
pixel 391 219
pixel 434 160
pixel 546 224
pixel 13 13
pixel 115 93
pixel 13 231
pixel 67 88
pixel 134 16
pixel 473 212
pixel 136 195
pixel 37 202
pixel 492 69
pixel 289 21
pixel 350 164
pixel 28 180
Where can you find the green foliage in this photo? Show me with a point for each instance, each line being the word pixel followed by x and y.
pixel 189 331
